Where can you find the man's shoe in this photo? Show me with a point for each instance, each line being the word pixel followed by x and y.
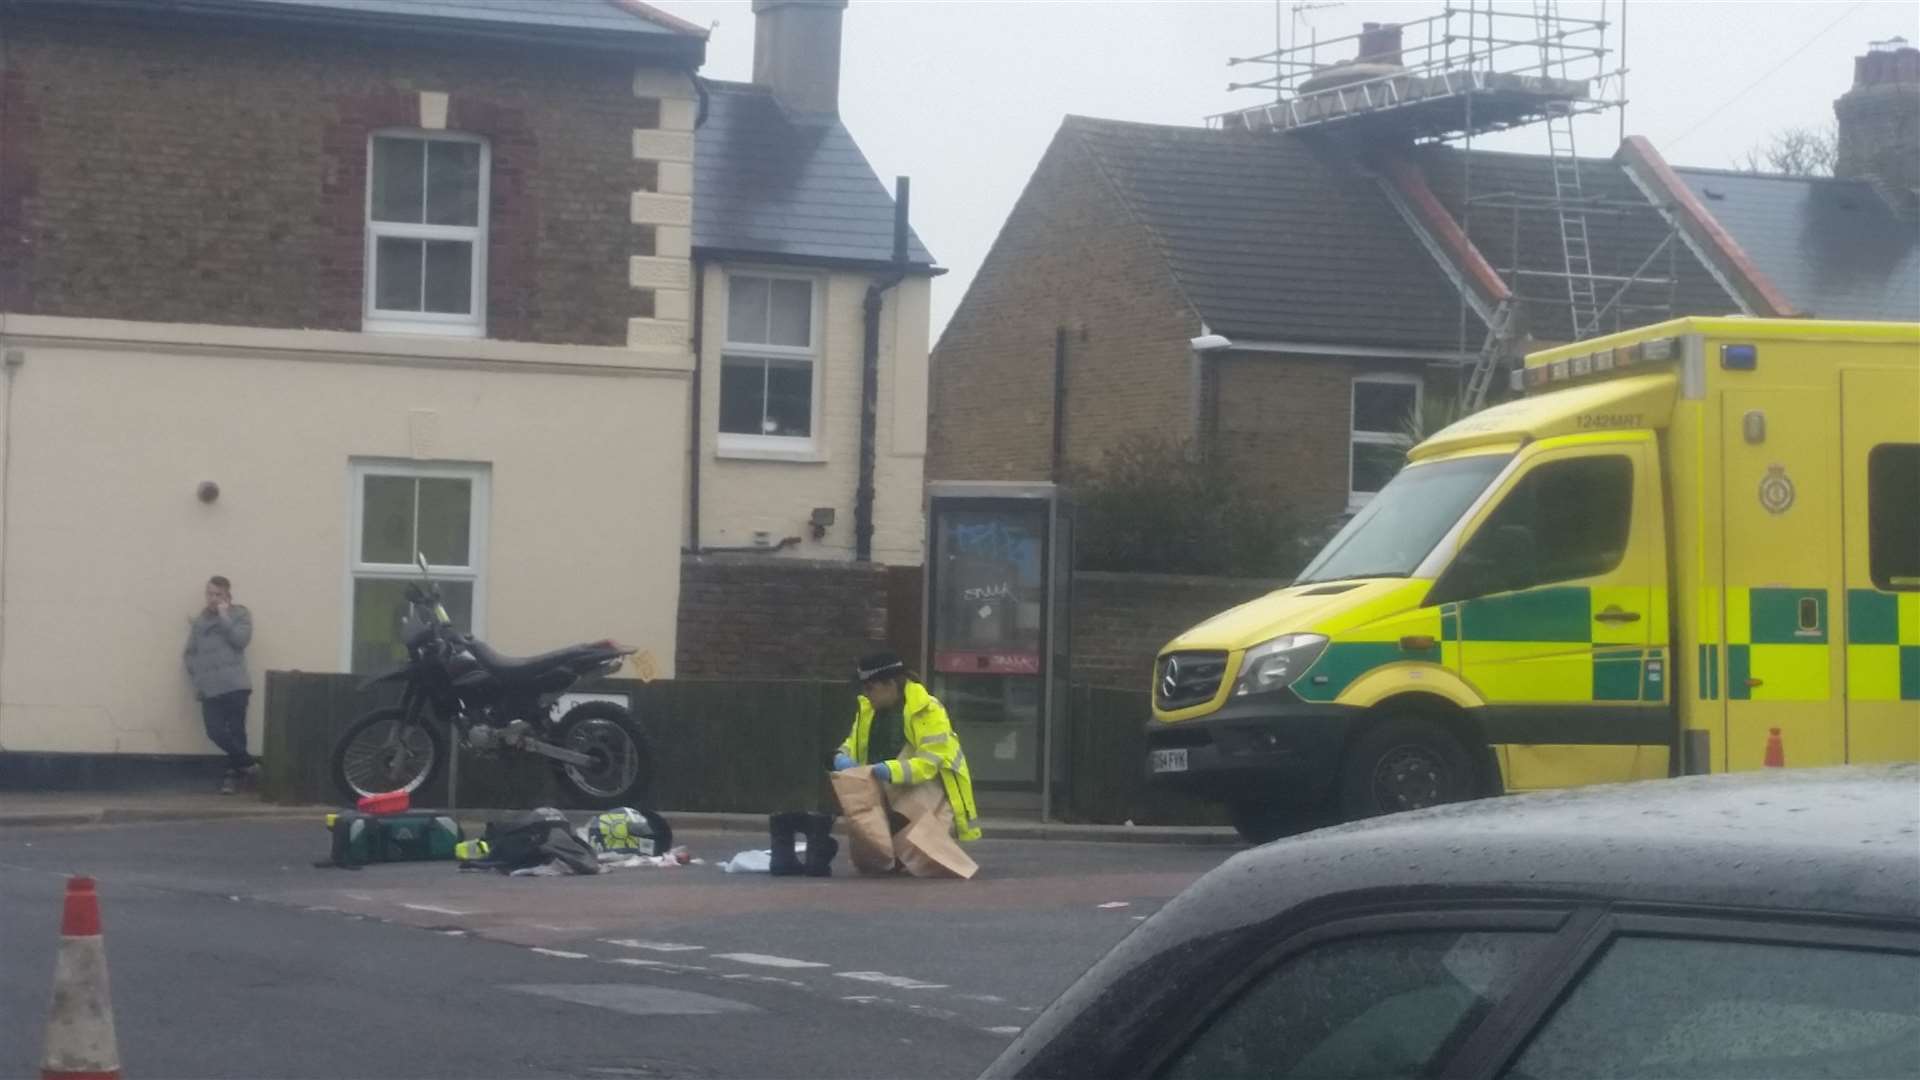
pixel 821 846
pixel 230 785
pixel 783 827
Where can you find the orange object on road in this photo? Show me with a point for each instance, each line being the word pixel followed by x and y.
pixel 1776 752
pixel 387 802
pixel 80 1039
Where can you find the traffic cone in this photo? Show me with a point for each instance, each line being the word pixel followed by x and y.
pixel 80 1041
pixel 1776 753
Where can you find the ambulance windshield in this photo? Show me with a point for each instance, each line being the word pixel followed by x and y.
pixel 1396 530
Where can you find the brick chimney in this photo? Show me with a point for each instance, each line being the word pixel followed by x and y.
pixel 1379 44
pixel 1879 120
pixel 796 53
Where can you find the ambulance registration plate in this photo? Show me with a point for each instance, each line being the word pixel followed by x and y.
pixel 1170 761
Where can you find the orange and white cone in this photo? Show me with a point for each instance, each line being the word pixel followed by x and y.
pixel 80 1040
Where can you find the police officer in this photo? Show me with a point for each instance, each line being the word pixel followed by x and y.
pixel 901 733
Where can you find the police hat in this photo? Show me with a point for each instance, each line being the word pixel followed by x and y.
pixel 878 666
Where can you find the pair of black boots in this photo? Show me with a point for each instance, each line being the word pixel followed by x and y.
pixel 821 846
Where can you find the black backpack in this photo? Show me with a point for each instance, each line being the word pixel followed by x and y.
pixel 535 838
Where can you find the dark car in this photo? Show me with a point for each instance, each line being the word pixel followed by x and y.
pixel 1752 925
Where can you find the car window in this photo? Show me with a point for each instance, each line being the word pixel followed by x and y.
pixel 1391 1005
pixel 1663 1007
pixel 1564 521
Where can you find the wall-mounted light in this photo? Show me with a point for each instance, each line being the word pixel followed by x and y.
pixel 820 521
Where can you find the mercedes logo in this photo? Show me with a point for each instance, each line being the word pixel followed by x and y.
pixel 1170 678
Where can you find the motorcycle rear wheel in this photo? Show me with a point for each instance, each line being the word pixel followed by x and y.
pixel 383 751
pixel 622 772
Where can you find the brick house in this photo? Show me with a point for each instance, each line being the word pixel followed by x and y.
pixel 1278 300
pixel 291 289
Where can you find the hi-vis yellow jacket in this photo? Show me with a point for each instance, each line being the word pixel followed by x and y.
pixel 931 749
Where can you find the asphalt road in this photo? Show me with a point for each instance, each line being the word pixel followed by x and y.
pixel 231 956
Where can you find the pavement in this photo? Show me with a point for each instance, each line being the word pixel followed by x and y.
pixel 19 808
pixel 233 956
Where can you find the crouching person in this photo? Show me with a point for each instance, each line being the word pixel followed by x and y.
pixel 924 796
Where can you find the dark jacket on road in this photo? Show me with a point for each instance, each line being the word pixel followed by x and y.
pixel 216 648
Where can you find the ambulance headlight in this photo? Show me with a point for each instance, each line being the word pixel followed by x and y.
pixel 1274 665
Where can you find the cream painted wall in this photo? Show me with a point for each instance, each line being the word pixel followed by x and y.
pixel 114 425
pixel 739 497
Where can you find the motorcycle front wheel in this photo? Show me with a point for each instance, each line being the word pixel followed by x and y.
pixel 384 751
pixel 621 773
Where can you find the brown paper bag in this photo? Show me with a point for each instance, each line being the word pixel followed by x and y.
pixel 864 804
pixel 926 848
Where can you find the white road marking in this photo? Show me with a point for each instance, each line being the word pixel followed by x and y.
pixel 1139 918
pixel 1111 904
pixel 990 999
pixel 774 979
pixel 651 946
pixel 562 929
pixel 561 954
pixel 898 982
pixel 656 965
pixel 1003 1031
pixel 454 933
pixel 763 960
pixel 434 910
pixel 862 999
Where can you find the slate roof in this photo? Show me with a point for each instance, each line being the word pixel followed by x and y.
pixel 1834 247
pixel 603 15
pixel 1270 240
pixel 1274 237
pixel 587 23
pixel 765 184
pixel 1624 229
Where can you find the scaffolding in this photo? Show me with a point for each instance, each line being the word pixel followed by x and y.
pixel 1476 68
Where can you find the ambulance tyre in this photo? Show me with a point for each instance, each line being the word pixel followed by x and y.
pixel 1404 763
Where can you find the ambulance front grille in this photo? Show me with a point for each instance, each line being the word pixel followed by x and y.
pixel 1185 679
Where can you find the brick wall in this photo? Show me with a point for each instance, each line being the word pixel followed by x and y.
pixel 758 617
pixel 1121 621
pixel 1284 422
pixel 214 175
pixel 1069 255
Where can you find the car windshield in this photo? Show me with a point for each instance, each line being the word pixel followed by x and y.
pixel 1399 527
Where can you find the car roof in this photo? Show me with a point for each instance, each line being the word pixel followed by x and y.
pixel 1833 842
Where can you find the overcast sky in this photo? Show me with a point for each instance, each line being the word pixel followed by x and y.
pixel 964 95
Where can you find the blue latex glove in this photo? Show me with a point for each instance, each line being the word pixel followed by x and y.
pixel 883 773
pixel 842 762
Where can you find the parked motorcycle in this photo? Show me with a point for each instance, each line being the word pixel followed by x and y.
pixel 455 687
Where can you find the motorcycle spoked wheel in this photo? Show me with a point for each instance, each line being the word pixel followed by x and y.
pixel 383 751
pixel 622 770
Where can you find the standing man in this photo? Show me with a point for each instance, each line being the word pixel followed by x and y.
pixel 217 665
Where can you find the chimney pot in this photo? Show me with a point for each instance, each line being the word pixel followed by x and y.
pixel 1379 44
pixel 796 53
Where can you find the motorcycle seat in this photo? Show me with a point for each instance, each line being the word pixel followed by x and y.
pixel 525 667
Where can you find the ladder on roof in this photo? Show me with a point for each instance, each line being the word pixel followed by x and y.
pixel 1569 197
pixel 1487 364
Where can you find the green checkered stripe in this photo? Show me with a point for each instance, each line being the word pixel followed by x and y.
pixel 1873 618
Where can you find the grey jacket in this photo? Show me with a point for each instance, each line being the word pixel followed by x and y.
pixel 216 652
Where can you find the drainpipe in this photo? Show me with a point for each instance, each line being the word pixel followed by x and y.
pixel 696 449
pixel 696 446
pixel 870 376
pixel 1059 404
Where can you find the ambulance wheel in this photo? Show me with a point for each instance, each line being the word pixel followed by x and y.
pixel 1404 763
pixel 1263 822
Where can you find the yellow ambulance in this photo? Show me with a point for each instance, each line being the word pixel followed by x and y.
pixel 1688 548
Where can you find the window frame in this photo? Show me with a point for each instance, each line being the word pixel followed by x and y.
pixel 1357 437
pixel 772 447
pixel 1494 1049
pixel 1569 926
pixel 1887 583
pixel 479 509
pixel 1447 587
pixel 377 320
